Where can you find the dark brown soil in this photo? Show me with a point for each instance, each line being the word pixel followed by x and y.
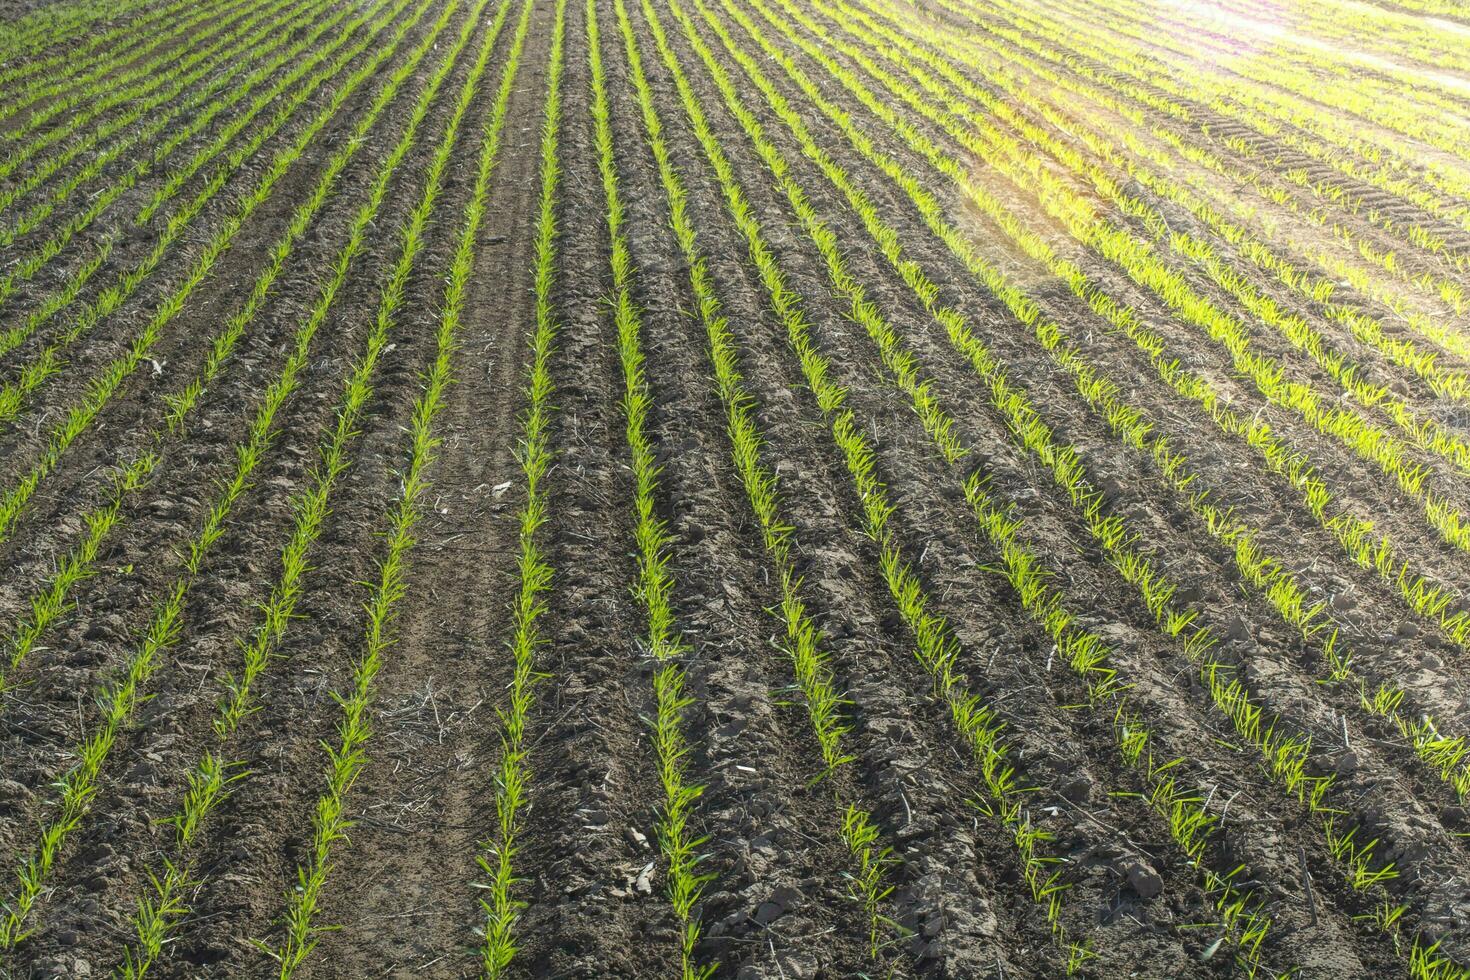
pixel 404 888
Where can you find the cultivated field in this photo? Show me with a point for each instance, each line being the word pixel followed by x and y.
pixel 735 488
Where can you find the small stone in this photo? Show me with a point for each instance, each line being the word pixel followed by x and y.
pixel 1077 789
pixel 635 838
pixel 13 792
pixel 768 912
pixel 787 895
pixel 644 883
pixel 1143 879
pixel 1110 487
pixel 797 965
pixel 106 627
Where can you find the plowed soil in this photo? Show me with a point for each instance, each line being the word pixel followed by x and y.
pixel 1106 367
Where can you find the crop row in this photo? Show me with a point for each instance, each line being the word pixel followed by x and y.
pixel 1286 754
pixel 502 906
pixel 347 757
pixel 1356 535
pixel 1359 859
pixel 1289 127
pixel 1178 155
pixel 119 699
pixel 137 87
pixel 55 74
pixel 245 50
pixel 1279 178
pixel 51 602
pixel 1368 329
pixel 862 115
pixel 1355 432
pixel 50 361
pixel 937 648
pixel 163 908
pixel 62 23
pixel 42 255
pixel 1372 102
pixel 1189 824
pixel 803 644
pixel 655 582
pixel 1360 542
pixel 104 385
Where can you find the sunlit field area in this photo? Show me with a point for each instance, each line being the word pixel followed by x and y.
pixel 735 489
